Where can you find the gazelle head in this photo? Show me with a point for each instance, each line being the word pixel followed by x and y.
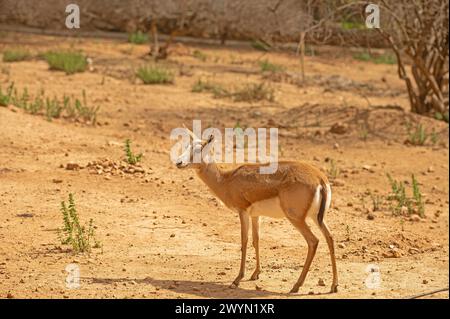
pixel 196 153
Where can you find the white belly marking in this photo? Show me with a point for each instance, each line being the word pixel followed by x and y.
pixel 269 207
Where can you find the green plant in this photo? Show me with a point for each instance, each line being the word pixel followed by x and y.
pixel 138 37
pixel 254 92
pixel 441 116
pixel 377 59
pixel 434 137
pixel 418 135
pixel 81 238
pixel 15 55
pixel 377 200
pixel 206 86
pixel 333 170
pixel 267 66
pixel 398 193
pixel 364 133
pixel 199 55
pixel 50 107
pixel 154 75
pixel 351 25
pixel 260 46
pixel 130 156
pixel 5 98
pixel 67 61
pixel 417 195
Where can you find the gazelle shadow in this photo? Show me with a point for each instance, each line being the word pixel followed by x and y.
pixel 200 288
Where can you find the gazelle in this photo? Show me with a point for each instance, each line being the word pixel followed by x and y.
pixel 295 191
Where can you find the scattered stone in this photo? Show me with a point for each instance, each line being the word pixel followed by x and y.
pixel 172 235
pixel 57 181
pixel 321 282
pixel 258 288
pixel 9 295
pixel 430 169
pixel 424 281
pixel 370 216
pixel 71 166
pixel 415 218
pixel 339 128
pixel 341 245
pixel 338 183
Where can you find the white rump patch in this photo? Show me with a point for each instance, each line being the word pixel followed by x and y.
pixel 313 210
pixel 269 207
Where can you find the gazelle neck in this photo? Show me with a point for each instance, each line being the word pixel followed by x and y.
pixel 211 175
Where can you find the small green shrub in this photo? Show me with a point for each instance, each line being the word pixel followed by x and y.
pixel 71 108
pixel 254 92
pixel 15 55
pixel 398 194
pixel 138 37
pixel 5 98
pixel 69 62
pixel 130 156
pixel 351 25
pixel 199 55
pixel 333 171
pixel 267 66
pixel 81 238
pixel 417 195
pixel 378 59
pixel 205 86
pixel 441 116
pixel 260 46
pixel 154 75
pixel 417 135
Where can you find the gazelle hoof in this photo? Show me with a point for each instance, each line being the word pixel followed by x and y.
pixel 294 290
pixel 233 285
pixel 334 289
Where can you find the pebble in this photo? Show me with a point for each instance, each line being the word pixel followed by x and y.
pixel 321 283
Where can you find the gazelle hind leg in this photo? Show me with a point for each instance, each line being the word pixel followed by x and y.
pixel 255 235
pixel 326 232
pixel 312 242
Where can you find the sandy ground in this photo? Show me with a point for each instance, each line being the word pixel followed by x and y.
pixel 163 234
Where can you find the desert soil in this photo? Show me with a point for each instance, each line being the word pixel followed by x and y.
pixel 163 234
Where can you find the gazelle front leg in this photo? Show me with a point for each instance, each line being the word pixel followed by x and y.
pixel 255 235
pixel 244 218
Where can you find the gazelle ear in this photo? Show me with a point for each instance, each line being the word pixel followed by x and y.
pixel 210 139
pixel 190 132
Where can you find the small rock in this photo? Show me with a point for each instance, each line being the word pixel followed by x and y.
pixel 339 128
pixel 430 169
pixel 57 181
pixel 370 216
pixel 9 295
pixel 172 235
pixel 71 166
pixel 341 245
pixel 321 283
pixel 338 183
pixel 424 281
